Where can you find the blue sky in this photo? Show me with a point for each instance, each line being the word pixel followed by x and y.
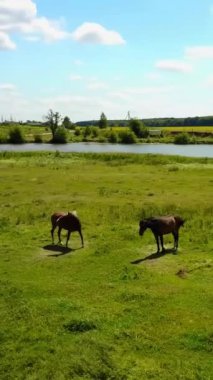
pixel 153 58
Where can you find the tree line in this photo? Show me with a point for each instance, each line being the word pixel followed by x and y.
pixel 158 122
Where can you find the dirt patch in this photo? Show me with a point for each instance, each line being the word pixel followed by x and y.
pixel 182 273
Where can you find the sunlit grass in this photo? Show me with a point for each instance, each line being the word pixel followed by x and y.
pixel 110 310
pixel 191 129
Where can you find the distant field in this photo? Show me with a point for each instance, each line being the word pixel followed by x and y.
pixel 200 129
pixel 29 132
pixel 113 310
pixel 25 128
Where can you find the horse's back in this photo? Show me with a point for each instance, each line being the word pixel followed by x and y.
pixel 56 215
pixel 71 222
pixel 166 224
pixel 170 223
pixel 161 225
pixel 68 221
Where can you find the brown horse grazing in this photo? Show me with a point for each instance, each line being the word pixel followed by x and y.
pixel 161 226
pixel 67 221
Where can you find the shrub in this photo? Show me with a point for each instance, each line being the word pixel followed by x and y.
pixel 138 128
pixel 113 138
pixel 3 139
pixel 38 138
pixel 127 137
pixel 16 136
pixel 87 131
pixel 135 126
pixel 102 139
pixel 77 131
pixel 95 131
pixel 60 136
pixel 144 132
pixel 182 139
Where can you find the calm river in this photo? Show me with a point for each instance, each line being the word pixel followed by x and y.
pixel 202 150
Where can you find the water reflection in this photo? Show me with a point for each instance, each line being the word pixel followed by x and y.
pixel 202 150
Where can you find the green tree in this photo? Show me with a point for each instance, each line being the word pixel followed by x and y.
pixel 60 136
pixel 67 123
pixel 138 128
pixel 95 132
pixel 127 137
pixel 135 126
pixel 87 131
pixel 53 119
pixel 16 135
pixel 182 139
pixel 113 138
pixel 77 131
pixel 103 121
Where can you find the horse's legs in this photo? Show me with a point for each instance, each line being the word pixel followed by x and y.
pixel 52 233
pixel 161 240
pixel 59 234
pixel 176 236
pixel 157 241
pixel 82 239
pixel 68 237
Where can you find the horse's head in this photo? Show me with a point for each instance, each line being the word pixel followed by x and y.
pixel 179 221
pixel 142 226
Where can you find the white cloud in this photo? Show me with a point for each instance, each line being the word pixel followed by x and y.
pixel 209 81
pixel 75 77
pixel 153 76
pixel 5 42
pixel 32 38
pixel 9 87
pixel 50 30
pixel 91 83
pixel 96 34
pixel 21 17
pixel 78 62
pixel 174 65
pixel 199 52
pixel 137 91
pixel 97 86
pixel 12 11
pixel 154 101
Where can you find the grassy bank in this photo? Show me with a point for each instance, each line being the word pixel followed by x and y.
pixel 30 134
pixel 112 310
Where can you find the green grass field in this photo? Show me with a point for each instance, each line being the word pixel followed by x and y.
pixel 191 129
pixel 111 310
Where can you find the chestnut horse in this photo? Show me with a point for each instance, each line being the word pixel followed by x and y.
pixel 161 226
pixel 67 221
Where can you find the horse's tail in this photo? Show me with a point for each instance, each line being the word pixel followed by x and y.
pixel 76 219
pixel 74 212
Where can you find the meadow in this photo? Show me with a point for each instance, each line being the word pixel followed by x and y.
pixel 112 310
pixel 190 129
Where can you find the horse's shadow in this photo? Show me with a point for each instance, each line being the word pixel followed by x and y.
pixel 59 249
pixel 156 255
